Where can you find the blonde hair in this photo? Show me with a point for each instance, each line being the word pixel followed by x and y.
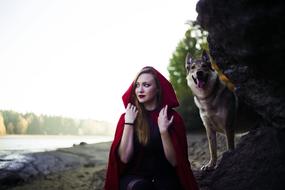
pixel 141 122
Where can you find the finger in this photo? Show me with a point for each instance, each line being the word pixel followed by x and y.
pixel 163 110
pixel 171 120
pixel 166 107
pixel 129 105
pixel 134 108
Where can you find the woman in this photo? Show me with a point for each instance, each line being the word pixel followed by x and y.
pixel 149 150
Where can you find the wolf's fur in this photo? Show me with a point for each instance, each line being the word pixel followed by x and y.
pixel 218 106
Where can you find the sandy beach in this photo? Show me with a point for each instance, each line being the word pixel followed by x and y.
pixel 88 171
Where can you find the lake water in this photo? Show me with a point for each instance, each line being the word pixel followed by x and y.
pixel 39 143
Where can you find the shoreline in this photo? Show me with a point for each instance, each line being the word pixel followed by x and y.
pixel 27 169
pixel 83 167
pixel 43 143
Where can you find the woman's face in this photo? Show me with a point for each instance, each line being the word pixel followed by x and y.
pixel 146 90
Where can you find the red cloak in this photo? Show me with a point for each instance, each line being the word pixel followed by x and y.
pixel 178 137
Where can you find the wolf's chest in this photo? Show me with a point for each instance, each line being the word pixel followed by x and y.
pixel 210 111
pixel 206 107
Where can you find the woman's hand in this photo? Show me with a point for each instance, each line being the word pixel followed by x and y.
pixel 163 124
pixel 162 121
pixel 131 113
pixel 126 147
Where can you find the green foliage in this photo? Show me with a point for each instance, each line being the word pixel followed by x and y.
pixel 10 117
pixel 36 124
pixel 193 42
pixel 21 126
pixel 10 121
pixel 2 125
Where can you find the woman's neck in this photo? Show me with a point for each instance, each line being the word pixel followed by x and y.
pixel 150 106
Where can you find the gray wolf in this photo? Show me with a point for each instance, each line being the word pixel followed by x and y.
pixel 219 107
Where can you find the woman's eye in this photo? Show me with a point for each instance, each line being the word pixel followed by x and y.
pixel 137 85
pixel 146 85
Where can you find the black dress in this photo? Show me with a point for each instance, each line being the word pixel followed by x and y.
pixel 149 169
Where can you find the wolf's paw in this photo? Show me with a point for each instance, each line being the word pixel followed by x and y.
pixel 210 166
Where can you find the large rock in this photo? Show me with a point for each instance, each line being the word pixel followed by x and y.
pixel 257 163
pixel 246 40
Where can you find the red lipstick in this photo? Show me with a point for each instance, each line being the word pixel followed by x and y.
pixel 141 96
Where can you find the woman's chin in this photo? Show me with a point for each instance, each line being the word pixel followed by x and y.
pixel 141 101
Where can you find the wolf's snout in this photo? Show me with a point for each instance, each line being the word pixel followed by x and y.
pixel 199 74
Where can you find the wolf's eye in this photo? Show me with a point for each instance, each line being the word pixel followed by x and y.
pixel 204 66
pixel 193 67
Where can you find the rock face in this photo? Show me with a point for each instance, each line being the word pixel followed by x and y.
pixel 257 163
pixel 246 39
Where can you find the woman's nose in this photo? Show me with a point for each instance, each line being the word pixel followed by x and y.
pixel 140 89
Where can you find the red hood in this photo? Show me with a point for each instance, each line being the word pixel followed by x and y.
pixel 167 92
pixel 183 169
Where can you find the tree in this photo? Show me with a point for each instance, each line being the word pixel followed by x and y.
pixel 35 124
pixel 21 126
pixel 10 121
pixel 9 116
pixel 194 42
pixel 2 125
pixel 10 128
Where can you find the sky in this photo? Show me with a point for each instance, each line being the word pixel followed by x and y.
pixel 76 58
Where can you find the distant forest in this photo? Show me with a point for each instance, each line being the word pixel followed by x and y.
pixel 12 122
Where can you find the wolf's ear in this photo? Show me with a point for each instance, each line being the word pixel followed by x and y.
pixel 205 57
pixel 188 59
